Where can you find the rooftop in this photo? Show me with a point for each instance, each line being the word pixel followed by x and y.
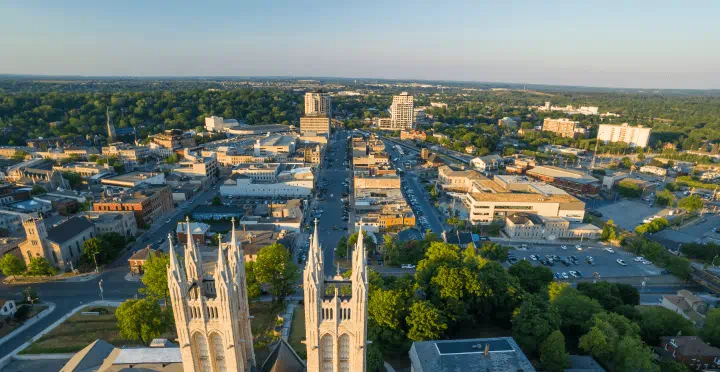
pixel 68 229
pixel 562 173
pixel 132 177
pixel 503 354
pixel 692 346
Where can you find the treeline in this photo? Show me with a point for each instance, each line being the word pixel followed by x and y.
pixel 28 115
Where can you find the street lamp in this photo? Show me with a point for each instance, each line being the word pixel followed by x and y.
pixel 96 266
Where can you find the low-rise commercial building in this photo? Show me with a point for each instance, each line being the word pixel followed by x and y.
pixel 651 169
pixel 387 181
pixel 147 202
pixel 197 165
pixel 569 180
pixel 133 179
pixel 241 185
pixel 218 124
pixel 494 200
pixel 487 162
pixel 121 222
pixel 413 134
pixel 530 226
pixel 315 124
pixel 128 155
pixel 174 138
pixel 87 170
pixel 275 144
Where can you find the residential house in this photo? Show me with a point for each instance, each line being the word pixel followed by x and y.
pixel 691 351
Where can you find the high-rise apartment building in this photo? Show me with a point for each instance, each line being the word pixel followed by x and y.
pixel 634 136
pixel 317 103
pixel 402 111
pixel 564 127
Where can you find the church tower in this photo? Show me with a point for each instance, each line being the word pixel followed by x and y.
pixel 211 314
pixel 335 324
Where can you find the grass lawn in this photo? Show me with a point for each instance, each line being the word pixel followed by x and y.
pixel 263 327
pixel 297 332
pixel 78 331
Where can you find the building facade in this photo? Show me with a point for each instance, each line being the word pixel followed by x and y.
pixel 61 245
pixel 563 127
pixel 401 111
pixel 634 136
pixel 318 103
pixel 147 202
pixel 211 311
pixel 315 123
pixel 335 324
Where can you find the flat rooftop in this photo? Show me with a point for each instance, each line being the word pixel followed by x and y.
pixel 562 173
pixel 277 140
pixel 131 177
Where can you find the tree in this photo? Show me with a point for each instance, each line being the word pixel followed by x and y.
pixel 155 276
pixel 633 355
pixel 73 178
pixel 710 331
pixel 253 287
pixel 216 200
pixel 552 353
pixel 426 322
pixel 375 360
pixel 534 322
pixel 604 292
pixel 11 265
pixel 37 190
pixel 691 203
pixel 39 266
pixel 494 251
pixel 385 307
pixel 532 278
pixel 143 319
pixel 556 288
pixel 172 159
pixel 656 322
pixel 575 310
pixel 342 247
pixel 608 231
pixel 275 268
pixel 95 249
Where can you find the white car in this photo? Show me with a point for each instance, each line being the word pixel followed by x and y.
pixel 639 259
pixel 564 247
pixel 646 262
pixel 168 220
pixel 610 250
pixel 578 247
pixel 564 275
pixel 573 274
pixel 621 262
pixel 407 266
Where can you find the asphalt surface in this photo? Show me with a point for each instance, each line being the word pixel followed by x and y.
pixel 335 173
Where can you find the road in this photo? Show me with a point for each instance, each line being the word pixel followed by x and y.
pixel 335 173
pixel 69 295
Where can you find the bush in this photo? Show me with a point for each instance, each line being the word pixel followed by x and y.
pixel 22 313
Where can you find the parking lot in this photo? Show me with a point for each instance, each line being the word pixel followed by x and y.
pixel 605 262
pixel 630 213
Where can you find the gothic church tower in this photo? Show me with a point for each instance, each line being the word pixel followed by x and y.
pixel 211 311
pixel 335 324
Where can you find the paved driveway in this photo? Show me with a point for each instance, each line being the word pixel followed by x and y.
pixel 630 213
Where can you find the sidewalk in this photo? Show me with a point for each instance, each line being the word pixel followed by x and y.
pixel 287 320
pixel 8 358
pixel 28 323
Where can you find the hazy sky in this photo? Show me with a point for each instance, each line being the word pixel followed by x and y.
pixel 632 43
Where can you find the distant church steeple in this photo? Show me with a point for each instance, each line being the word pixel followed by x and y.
pixel 112 137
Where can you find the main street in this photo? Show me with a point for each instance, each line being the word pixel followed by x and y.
pixel 68 295
pixel 334 172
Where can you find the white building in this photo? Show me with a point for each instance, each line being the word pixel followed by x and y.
pixel 318 103
pixel 651 169
pixel 241 185
pixel 487 162
pixel 634 136
pixel 218 124
pixel 402 111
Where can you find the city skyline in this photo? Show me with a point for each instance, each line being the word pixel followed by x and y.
pixel 618 45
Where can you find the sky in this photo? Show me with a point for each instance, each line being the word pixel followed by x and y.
pixel 630 44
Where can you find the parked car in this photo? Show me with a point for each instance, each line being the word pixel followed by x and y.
pixel 578 247
pixel 564 247
pixel 407 266
pixel 621 262
pixel 610 250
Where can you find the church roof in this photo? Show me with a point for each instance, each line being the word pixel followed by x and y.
pixel 283 359
pixel 68 229
pixel 90 358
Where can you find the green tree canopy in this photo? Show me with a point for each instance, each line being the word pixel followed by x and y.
pixel 155 276
pixel 532 278
pixel 710 331
pixel 534 322
pixel 552 353
pixel 658 321
pixel 11 265
pixel 39 266
pixel 275 268
pixel 143 320
pixel 692 203
pixel 426 322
